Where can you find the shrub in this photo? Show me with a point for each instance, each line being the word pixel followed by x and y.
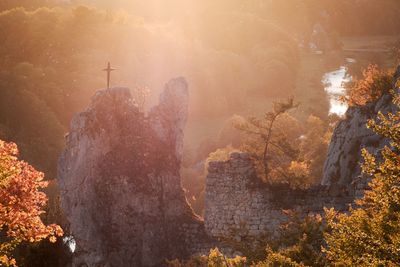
pixel 214 259
pixel 370 234
pixel 374 83
pixel 21 204
pixel 221 154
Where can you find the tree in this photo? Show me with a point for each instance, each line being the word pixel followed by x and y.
pixel 370 234
pixel 284 149
pixel 374 83
pixel 313 150
pixel 21 204
pixel 264 129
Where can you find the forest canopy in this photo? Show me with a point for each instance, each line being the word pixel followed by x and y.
pixel 51 61
pixel 51 54
pixel 238 57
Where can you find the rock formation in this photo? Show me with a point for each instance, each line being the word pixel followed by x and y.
pixel 120 184
pixel 350 136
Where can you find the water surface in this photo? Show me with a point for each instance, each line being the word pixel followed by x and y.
pixel 334 86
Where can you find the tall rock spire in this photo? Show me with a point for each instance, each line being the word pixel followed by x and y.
pixel 120 184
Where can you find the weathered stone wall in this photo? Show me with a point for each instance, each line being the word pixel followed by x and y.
pixel 235 199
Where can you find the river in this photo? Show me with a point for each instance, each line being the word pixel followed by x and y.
pixel 334 82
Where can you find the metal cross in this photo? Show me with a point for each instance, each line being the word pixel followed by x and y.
pixel 108 70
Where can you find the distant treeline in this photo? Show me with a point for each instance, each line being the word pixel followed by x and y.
pixel 347 17
pixel 51 61
pixel 51 57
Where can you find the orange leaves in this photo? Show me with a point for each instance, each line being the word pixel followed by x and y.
pixel 373 84
pixel 21 202
pixel 7 261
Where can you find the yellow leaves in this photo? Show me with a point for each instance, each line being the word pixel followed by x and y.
pixel 6 261
pixel 58 230
pixel 370 87
pixel 299 169
pixel 214 259
pixel 221 154
pixel 299 172
pixel 217 259
pixel 370 234
pixel 397 84
pixel 278 259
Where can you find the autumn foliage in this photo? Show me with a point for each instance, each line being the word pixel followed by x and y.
pixel 21 204
pixel 284 149
pixel 372 85
pixel 369 235
pixel 214 259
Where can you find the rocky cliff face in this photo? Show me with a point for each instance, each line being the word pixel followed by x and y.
pixel 350 136
pixel 120 184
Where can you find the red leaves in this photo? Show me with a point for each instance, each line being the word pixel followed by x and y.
pixel 21 202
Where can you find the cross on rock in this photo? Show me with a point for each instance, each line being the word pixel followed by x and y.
pixel 108 70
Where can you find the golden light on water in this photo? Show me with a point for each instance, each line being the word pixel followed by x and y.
pixel 334 86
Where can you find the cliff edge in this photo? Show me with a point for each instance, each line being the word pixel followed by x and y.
pixel 342 165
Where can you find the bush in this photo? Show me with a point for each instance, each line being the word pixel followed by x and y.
pixel 221 154
pixel 370 234
pixel 21 205
pixel 374 83
pixel 214 259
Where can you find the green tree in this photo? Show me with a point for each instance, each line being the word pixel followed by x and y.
pixel 370 234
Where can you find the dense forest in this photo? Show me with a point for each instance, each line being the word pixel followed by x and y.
pixel 255 71
pixel 49 55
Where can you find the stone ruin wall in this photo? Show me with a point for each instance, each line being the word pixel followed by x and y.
pixel 236 199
